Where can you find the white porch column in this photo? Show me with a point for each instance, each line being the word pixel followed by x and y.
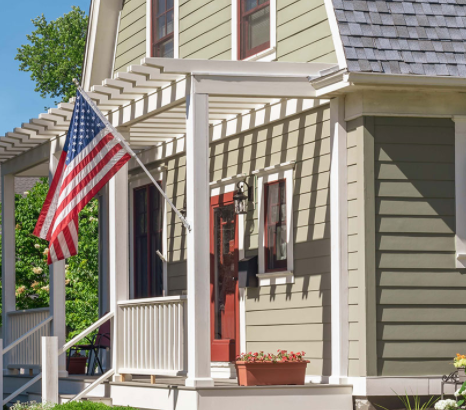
pixel 198 273
pixel 339 239
pixel 57 281
pixel 8 252
pixel 460 191
pixel 118 256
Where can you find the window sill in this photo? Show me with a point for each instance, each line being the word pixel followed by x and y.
pixel 267 55
pixel 275 278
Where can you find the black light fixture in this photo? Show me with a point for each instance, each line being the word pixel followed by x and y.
pixel 241 199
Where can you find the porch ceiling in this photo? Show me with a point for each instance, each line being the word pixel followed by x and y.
pixel 149 100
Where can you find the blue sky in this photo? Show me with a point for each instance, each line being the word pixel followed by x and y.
pixel 18 100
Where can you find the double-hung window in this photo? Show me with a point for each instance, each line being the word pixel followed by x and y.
pixel 254 27
pixel 148 234
pixel 275 226
pixel 163 25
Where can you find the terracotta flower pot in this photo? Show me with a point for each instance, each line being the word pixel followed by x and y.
pixel 77 365
pixel 270 374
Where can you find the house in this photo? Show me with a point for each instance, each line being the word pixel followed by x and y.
pixel 344 124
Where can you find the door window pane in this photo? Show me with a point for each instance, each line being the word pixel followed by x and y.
pixel 225 271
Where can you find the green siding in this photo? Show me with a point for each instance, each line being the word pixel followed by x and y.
pixel 419 291
pixel 205 29
pixel 295 317
pixel 303 32
pixel 131 42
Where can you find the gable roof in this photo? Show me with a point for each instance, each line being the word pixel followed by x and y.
pixel 421 37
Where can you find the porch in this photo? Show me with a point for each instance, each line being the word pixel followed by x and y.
pixel 165 109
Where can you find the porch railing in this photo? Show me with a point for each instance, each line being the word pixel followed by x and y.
pixel 153 337
pixel 26 352
pixel 22 339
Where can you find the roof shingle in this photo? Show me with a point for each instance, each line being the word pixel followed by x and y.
pixel 423 37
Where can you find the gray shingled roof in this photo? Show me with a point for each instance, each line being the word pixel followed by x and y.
pixel 423 37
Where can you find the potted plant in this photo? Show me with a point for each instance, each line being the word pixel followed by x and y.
pixel 260 369
pixel 77 363
pixel 460 363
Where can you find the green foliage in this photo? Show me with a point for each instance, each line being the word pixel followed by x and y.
pixel 55 53
pixel 32 405
pixel 417 402
pixel 88 405
pixel 75 405
pixel 32 272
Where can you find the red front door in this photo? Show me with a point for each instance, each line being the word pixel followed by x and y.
pixel 224 279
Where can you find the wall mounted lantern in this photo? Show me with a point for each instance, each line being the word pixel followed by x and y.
pixel 241 198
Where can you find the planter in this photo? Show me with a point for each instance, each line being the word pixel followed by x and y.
pixel 270 374
pixel 77 365
pixel 461 374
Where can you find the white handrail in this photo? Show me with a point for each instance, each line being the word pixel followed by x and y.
pixel 21 389
pixel 84 333
pixel 163 299
pixel 92 386
pixel 27 334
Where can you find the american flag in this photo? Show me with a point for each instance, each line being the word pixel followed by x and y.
pixel 92 155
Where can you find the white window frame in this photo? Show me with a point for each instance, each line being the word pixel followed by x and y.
pixel 271 174
pixel 176 28
pixel 135 182
pixel 266 55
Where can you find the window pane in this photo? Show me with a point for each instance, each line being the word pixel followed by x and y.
pixel 160 7
pixel 170 25
pixel 169 4
pixel 166 49
pixel 281 243
pixel 250 4
pixel 259 28
pixel 161 28
pixel 275 225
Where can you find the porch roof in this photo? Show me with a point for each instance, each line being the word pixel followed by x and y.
pixel 148 102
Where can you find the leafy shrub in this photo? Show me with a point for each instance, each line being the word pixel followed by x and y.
pixel 75 405
pixel 32 271
pixel 88 405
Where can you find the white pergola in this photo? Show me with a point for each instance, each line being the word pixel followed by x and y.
pixel 173 105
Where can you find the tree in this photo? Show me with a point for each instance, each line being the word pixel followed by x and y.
pixel 32 271
pixel 55 54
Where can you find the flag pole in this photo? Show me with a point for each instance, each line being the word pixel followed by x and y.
pixel 128 149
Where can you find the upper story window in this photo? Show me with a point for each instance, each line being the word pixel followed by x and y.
pixel 254 27
pixel 163 26
pixel 275 226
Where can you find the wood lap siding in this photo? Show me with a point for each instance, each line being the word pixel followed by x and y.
pixel 295 316
pixel 205 29
pixel 420 311
pixel 303 32
pixel 131 41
